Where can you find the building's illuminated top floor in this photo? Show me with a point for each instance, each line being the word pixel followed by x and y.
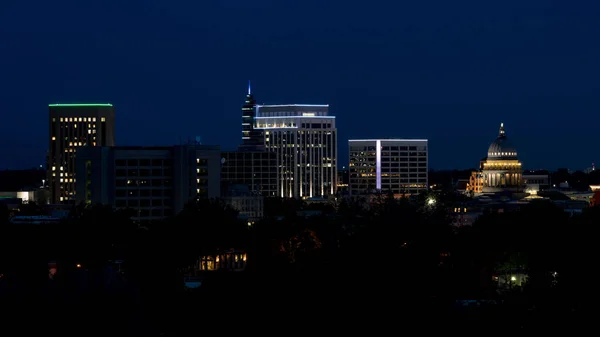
pixel 388 140
pixel 293 110
pixel 80 105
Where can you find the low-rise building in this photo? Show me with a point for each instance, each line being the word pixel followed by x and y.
pixel 156 182
pixel 249 205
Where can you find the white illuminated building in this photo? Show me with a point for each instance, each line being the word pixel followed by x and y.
pixel 305 138
pixel 399 166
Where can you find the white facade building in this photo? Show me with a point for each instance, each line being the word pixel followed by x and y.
pixel 396 165
pixel 305 139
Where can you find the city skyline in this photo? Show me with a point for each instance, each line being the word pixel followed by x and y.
pixel 448 76
pixel 343 158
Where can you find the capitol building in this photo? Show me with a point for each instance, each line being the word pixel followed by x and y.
pixel 500 171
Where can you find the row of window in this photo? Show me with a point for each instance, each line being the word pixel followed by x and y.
pixel 388 148
pixel 122 193
pixel 143 183
pixel 143 162
pixel 78 119
pixel 358 182
pixel 157 172
pixel 143 203
pixel 367 191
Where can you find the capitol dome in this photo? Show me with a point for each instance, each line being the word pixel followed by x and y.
pixel 501 148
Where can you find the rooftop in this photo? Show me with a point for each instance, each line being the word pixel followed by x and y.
pixel 387 140
pixel 80 105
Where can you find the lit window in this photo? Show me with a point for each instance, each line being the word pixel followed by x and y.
pixel 94 119
pixel 89 131
pixel 61 180
pixel 80 119
pixel 103 119
pixel 53 168
pixel 61 119
pixel 53 138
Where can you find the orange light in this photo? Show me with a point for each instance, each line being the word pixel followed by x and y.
pixel 78 265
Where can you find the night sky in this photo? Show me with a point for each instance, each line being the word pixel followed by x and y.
pixel 448 71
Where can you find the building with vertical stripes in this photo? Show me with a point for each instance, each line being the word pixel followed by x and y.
pixel 304 137
pixel 399 166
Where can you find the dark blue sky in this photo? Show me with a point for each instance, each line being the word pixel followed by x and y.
pixel 449 71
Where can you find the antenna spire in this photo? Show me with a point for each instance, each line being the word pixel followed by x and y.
pixel 502 133
pixel 249 88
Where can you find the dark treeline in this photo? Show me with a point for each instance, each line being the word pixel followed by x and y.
pixel 359 264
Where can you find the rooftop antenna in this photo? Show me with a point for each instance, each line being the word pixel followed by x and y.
pixel 249 88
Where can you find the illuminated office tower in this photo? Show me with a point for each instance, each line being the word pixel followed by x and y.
pixel 252 138
pixel 304 137
pixel 399 166
pixel 73 126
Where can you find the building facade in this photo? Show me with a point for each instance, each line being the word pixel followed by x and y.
pixel 399 166
pixel 342 181
pixel 156 182
pixel 72 127
pixel 304 137
pixel 536 181
pixel 256 169
pixel 249 205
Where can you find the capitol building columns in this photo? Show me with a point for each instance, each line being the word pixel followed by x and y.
pixel 501 169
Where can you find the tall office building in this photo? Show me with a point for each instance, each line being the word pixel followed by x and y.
pixel 305 139
pixel 396 165
pixel 73 126
pixel 252 138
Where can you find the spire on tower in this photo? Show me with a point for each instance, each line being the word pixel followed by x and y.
pixel 502 133
pixel 249 88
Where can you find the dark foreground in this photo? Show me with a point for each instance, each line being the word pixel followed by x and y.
pixel 280 304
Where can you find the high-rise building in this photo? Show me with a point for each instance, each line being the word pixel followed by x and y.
pixel 304 137
pixel 73 126
pixel 252 138
pixel 155 182
pixel 399 166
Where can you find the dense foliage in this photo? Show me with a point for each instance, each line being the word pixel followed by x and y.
pixel 372 249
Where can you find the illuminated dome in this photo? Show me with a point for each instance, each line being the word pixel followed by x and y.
pixel 501 148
